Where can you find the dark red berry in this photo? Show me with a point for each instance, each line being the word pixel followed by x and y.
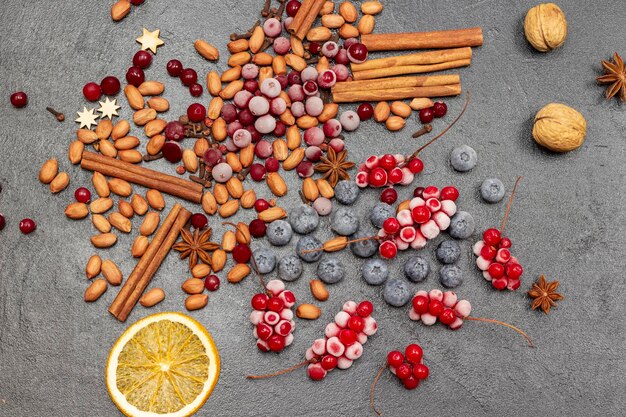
pixel 137 3
pixel 174 130
pixel 142 59
pixel 416 165
pixel 263 331
pixel 315 48
pixel 410 383
pixel 27 226
pixel 212 283
pixel 110 85
pixel 82 195
pixel 199 221
pixel 196 112
pixel 92 91
pixel 189 76
pixel 440 109
pixel 2 221
pixel 135 76
pixel 242 253
pixel 421 371
pixel 19 99
pixel 435 308
pixel 387 162
pixel 449 193
pixel 420 304
pixel 257 228
pixel 426 115
pixel 365 111
pixel 292 7
pixel 272 164
pixel 172 151
pixel 174 67
pixel 389 196
pixel 261 205
pixel 195 90
pixel 418 192
pixel 347 337
pixel 356 323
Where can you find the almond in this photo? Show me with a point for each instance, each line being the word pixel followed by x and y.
pixel 106 148
pixel 421 103
pixel 215 108
pixel 160 104
pixel 400 108
pixel 193 286
pixel 381 111
pixel 262 59
pixel 104 129
pixel 120 222
pixel 329 111
pixel 248 198
pixel 154 127
pixel 96 289
pixel 120 129
pixel 125 209
pixel 306 122
pixel 231 89
pixel 218 130
pixel 86 136
pixel 200 147
pixel 119 10
pixel 214 84
pixel 371 7
pixel 200 270
pixel 318 290
pixel 143 116
pixel 111 272
pixel 296 46
pixel 296 62
pixel 271 214
pixel 220 192
pixel 132 156
pixel 60 182
pixel 127 142
pixel 310 190
pixel 333 21
pixel 93 266
pixel 276 184
pixel 101 205
pixel 150 223
pixel 48 171
pixel 75 152
pixel 190 160
pixel 209 205
pixel 232 74
pixel 139 204
pixel 229 208
pixel 234 187
pixel 233 160
pixel 348 11
pixel 256 40
pixel 151 88
pixel 101 223
pixel 366 24
pixel 240 58
pixel 239 45
pixel 279 65
pixel 327 8
pixel 134 97
pixel 265 73
pixel 218 260
pixel 325 189
pixel 287 118
pixel 242 233
pixel 103 240
pixel 280 150
pixel 395 123
pixel 196 302
pixel 348 31
pixel 229 240
pixel 152 297
pixel 77 211
pixel 246 155
pixel 155 199
pixel 294 159
pixel 237 273
pixel 308 311
pixel 294 138
pixel 155 144
pixel 140 244
pixel 207 50
pixel 319 34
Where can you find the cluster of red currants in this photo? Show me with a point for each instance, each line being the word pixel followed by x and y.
pixel 409 368
pixel 428 214
pixel 273 318
pixel 496 261
pixel 188 76
pixel 388 170
pixel 445 306
pixel 343 341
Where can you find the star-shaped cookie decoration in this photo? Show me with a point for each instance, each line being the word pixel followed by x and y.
pixel 150 40
pixel 86 118
pixel 108 108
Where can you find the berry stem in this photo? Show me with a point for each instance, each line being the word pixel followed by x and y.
pixel 256 271
pixel 346 243
pixel 373 389
pixel 501 323
pixel 508 206
pixel 417 152
pixel 281 372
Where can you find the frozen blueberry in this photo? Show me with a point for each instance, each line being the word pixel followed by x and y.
pixel 416 268
pixel 346 192
pixel 375 271
pixel 364 248
pixel 461 225
pixel 396 292
pixel 304 219
pixel 492 190
pixel 448 252
pixel 290 268
pixel 463 158
pixel 330 270
pixel 309 243
pixel 451 276
pixel 380 213
pixel 279 233
pixel 344 221
pixel 265 260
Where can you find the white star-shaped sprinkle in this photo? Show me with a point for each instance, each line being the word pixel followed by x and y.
pixel 150 40
pixel 108 108
pixel 86 118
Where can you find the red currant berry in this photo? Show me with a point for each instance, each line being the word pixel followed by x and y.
pixel 82 195
pixel 365 111
pixel 388 250
pixel 27 226
pixel 387 162
pixel 276 343
pixel 440 109
pixel 329 362
pixel 410 383
pixel 257 228
pixel 292 7
pixel 275 304
pixel 199 221
pixel 449 193
pixel 316 373
pixel 420 304
pixel 259 301
pixel 404 370
pixel 389 196
pixel 365 309
pixel 356 323
pixel 491 236
pixel 391 226
pixel 496 270
pixel 418 192
pixel 189 76
pixel 378 177
pixel 347 337
pixel 142 59
pixel 395 358
pixel 435 308
pixel 499 284
pixel 488 252
pixel 261 205
pixel 414 353
pixel 135 76
pixel 19 99
pixel 174 68
pixel 447 317
pixel 110 85
pixel 514 271
pixel 395 175
pixel 263 331
pixel 242 253
pixel 212 283
pixel 92 91
pixel 420 214
pixel 505 242
pixel 426 115
pixel 196 112
pixel 416 165
pixel 421 371
pixel 195 90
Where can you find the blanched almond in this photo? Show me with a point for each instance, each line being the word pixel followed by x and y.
pixel 103 240
pixel 325 188
pixel 231 74
pixel 371 7
pixel 333 21
pixel 256 40
pixel 100 184
pixel 238 45
pixel 101 205
pixel 308 311
pixel 296 46
pixel 262 59
pixel 294 138
pixel 218 130
pixel 306 122
pixel 296 62
pixel 395 123
pixel 60 182
pixel 233 160
pixel 400 108
pixel 292 161
pixel 246 155
pixel 231 89
pixel 77 211
pixel 120 187
pixel 106 148
pixel 48 171
pixel 240 58
pixel 155 199
pixel 220 192
pixel 95 290
pixel 234 187
pixel 75 152
pixel 134 97
pixel 310 190
pixel 111 272
pixel 327 8
pixel 150 223
pixel 101 223
pixel 215 108
pixel 120 222
pixel 421 103
pixel 279 65
pixel 151 88
pixel 366 24
pixel 265 73
pixel 131 156
pixel 152 297
pixel 196 302
pixel 140 244
pixel 348 31
pixel 200 147
pixel 381 111
pixel 93 266
pixel 319 34
pixel 127 142
pixel 193 286
pixel 280 151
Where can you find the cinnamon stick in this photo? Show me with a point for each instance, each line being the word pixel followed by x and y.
pixel 396 93
pixel 385 83
pixel 303 20
pixel 132 280
pixel 418 58
pixel 423 40
pixel 409 69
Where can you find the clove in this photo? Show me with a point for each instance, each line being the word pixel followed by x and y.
pixel 278 13
pixel 266 44
pixel 247 35
pixel 59 116
pixel 148 158
pixel 243 174
pixel 195 178
pixel 427 128
pixel 266 8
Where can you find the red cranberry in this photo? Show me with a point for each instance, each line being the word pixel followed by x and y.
pixel 356 323
pixel 447 317
pixel 395 358
pixel 2 221
pixel 259 301
pixel 110 85
pixel 416 165
pixel 440 109
pixel 276 343
pixel 275 304
pixel 305 169
pixel 142 59
pixel 135 76
pixel 174 131
pixel 505 242
pixel 365 308
pixel 280 129
pixel 82 195
pixel 496 270
pixel 257 228
pixel 257 172
pixel 294 77
pixel 212 157
pixel 292 7
pixel 199 221
pixel 378 177
pixel 241 253
pixel 418 192
pixel 347 337
pixel 410 383
pixel 19 99
pixel 27 226
pixel 196 112
pixel 395 175
pixel 413 353
pixel 195 90
pixel 426 115
pixel 256 135
pixel 246 117
pixel 329 362
pixel 391 226
pixel 389 196
pixel 449 193
pixel 261 205
pixel 282 80
pixel 420 214
pixel 365 111
pixel 174 68
pixel 92 91
pixel 251 85
pixel 357 53
pixel 514 271
pixel 172 151
pixel 315 48
pixel 435 308
pixel 272 164
pixel 137 3
pixel 189 76
pixel 212 283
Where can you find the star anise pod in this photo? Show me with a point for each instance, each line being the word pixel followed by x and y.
pixel 334 166
pixel 196 246
pixel 615 75
pixel 544 294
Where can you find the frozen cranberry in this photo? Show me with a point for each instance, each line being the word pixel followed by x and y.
pixel 332 128
pixel 440 109
pixel 174 68
pixel 281 45
pixel 246 117
pixel 212 157
pixel 256 135
pixel 292 7
pixel 212 283
pixel 174 131
pixel 280 129
pixel 341 72
pixel 313 153
pixel 342 57
pixel 357 53
pixel 135 76
pixel 337 144
pixel 310 88
pixel 426 115
pixel 189 76
pixel 272 164
pixel 305 169
pixel 142 59
pixel 329 362
pixel 389 196
pixel 251 86
pixel 365 111
pixel 294 78
pixel 110 85
pixel 82 195
pixel 196 112
pixel 27 226
pixel 172 151
pixel 19 99
pixel 257 228
pixel 92 91
pixel 315 48
pixel 257 172
pixel 195 90
pixel 199 221
pixel 330 49
pixel 263 149
pixel 242 253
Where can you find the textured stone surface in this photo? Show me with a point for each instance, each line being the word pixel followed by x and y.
pixel 567 223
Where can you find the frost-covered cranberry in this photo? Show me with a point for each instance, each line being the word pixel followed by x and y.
pixel 280 129
pixel 229 112
pixel 281 45
pixel 314 136
pixel 212 157
pixel 272 164
pixel 256 136
pixel 265 124
pixel 174 130
pixel 330 49
pixel 282 80
pixel 249 71
pixel 327 79
pixel 242 138
pixel 242 98
pixel 305 169
pixel 272 27
pixel 349 120
pixel 349 42
pixel 296 93
pixel 278 106
pixel 313 153
pixel 342 57
pixel 257 172
pixel 297 109
pixel 337 144
pixel 246 117
pixel 332 128
pixel 233 127
pixel 341 72
pixel 263 149
pixel 314 106
pixel 357 53
pixel 310 88
pixel 251 86
pixel 258 105
pixel 309 74
pixel 222 172
pixel 270 87
pixel 294 78
pixel 287 22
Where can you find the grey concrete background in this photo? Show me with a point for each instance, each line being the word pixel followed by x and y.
pixel 567 223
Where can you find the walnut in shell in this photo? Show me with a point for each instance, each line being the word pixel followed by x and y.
pixel 559 128
pixel 545 27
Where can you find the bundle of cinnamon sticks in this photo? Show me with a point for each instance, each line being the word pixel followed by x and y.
pixel 303 20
